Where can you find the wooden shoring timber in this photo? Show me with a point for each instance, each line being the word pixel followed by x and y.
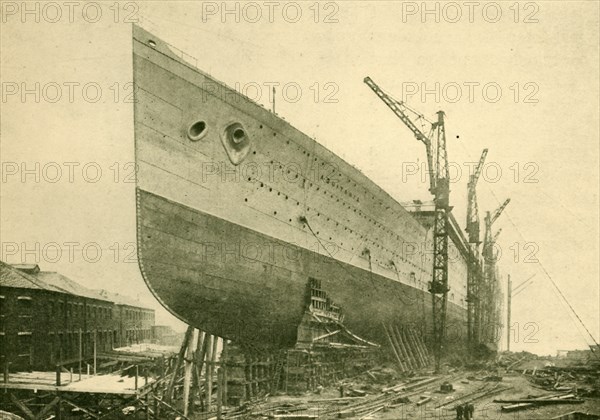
pixel 200 360
pixel 188 336
pixel 146 405
pixel 416 341
pixel 187 375
pixel 412 347
pixel 423 348
pixel 197 369
pixel 248 395
pixel 404 357
pixel 279 366
pixel 287 367
pixel 224 360
pixel 208 378
pixel 255 376
pixel 153 386
pixel 393 347
pixel 401 353
pixel 170 407
pixel 208 341
pixel 213 362
pixel 220 391
pixel 405 348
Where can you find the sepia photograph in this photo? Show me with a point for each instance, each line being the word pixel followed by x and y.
pixel 299 210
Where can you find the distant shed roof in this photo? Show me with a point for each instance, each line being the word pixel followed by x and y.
pixel 122 299
pixel 13 277
pixel 28 268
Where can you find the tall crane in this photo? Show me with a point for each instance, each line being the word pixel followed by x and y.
pixel 487 300
pixel 474 267
pixel 495 237
pixel 439 186
pixel 472 208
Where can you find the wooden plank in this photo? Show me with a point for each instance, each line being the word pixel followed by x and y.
pixel 61 389
pixel 536 401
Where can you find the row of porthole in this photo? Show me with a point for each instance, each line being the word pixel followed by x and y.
pixel 308 209
pixel 361 236
pixel 337 224
pixel 377 201
pixel 307 153
pixel 364 215
pixel 372 221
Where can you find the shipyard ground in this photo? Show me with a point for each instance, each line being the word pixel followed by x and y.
pixel 380 394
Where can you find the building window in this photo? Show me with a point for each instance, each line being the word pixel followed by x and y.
pixel 24 309
pixel 24 344
pixel 24 305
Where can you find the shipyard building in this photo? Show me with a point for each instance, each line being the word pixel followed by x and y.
pixel 47 318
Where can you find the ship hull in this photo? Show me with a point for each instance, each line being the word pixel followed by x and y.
pixel 237 211
pixel 245 286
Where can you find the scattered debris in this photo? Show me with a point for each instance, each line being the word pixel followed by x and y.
pixel 423 400
pixel 446 387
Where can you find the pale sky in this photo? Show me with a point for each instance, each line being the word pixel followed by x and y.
pixel 542 132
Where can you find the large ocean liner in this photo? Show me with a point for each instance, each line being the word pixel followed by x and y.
pixel 238 212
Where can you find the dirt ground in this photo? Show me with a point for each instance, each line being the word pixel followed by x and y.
pixel 485 408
